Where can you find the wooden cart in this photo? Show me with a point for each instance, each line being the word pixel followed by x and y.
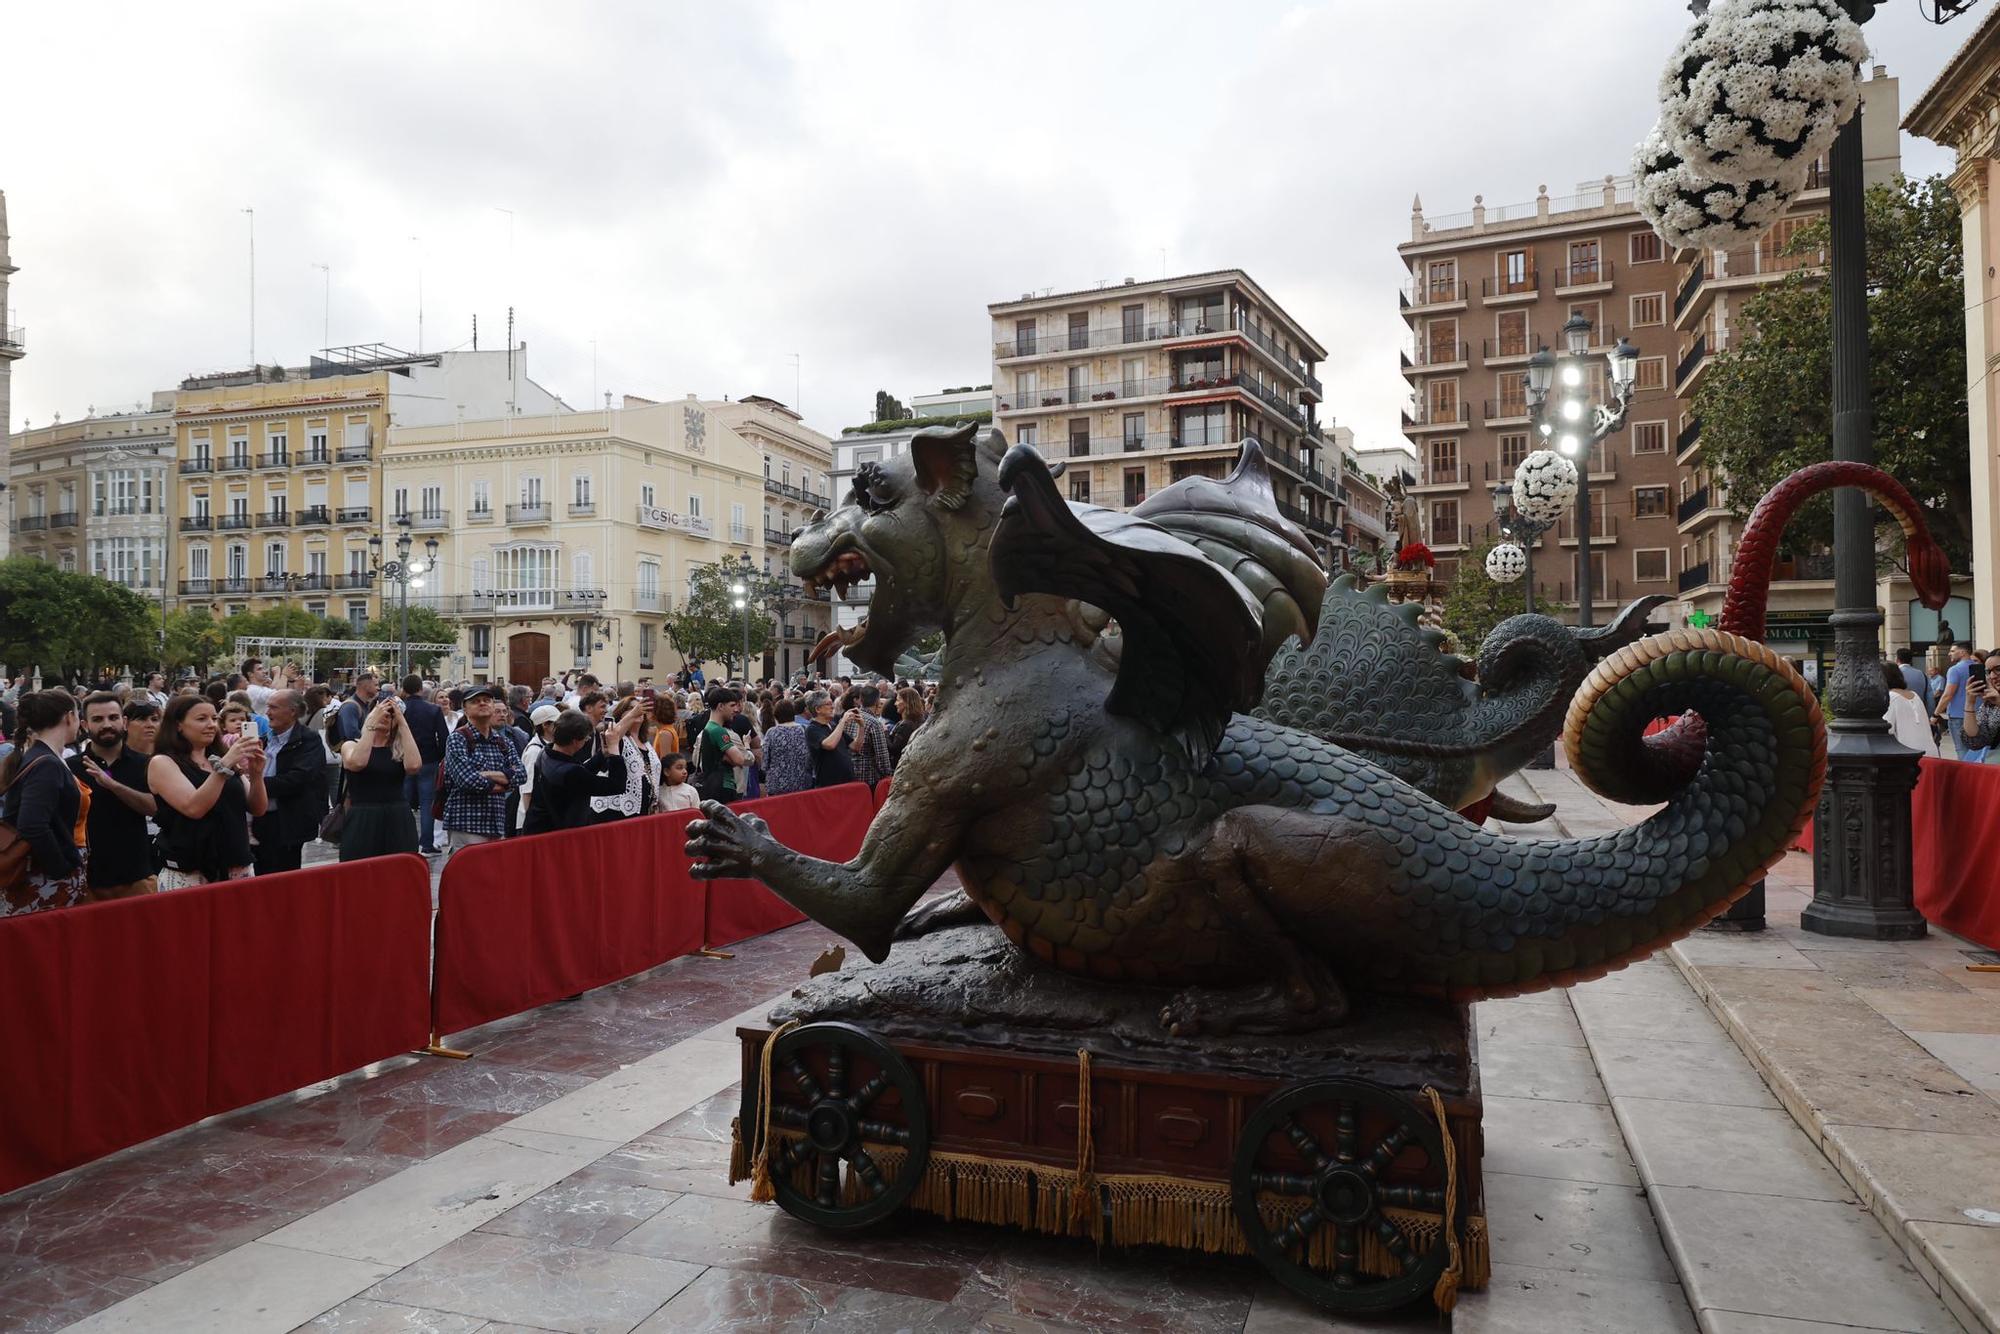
pixel 1334 1175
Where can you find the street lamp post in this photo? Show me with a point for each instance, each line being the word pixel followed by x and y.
pixel 1525 532
pixel 1577 426
pixel 406 574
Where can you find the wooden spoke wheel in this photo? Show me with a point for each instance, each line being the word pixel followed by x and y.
pixel 840 1096
pixel 1316 1166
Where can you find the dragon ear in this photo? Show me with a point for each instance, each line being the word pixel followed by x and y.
pixel 946 460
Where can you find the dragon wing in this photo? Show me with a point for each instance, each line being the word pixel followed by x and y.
pixel 1192 632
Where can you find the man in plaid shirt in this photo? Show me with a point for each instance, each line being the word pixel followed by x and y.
pixel 481 767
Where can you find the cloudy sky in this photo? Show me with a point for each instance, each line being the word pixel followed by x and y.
pixel 723 197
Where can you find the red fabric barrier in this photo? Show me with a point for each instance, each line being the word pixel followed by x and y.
pixel 129 1019
pixel 828 823
pixel 882 791
pixel 1955 856
pixel 531 920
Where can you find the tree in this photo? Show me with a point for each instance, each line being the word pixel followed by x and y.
pixel 194 639
pixel 426 627
pixel 888 407
pixel 71 624
pixel 708 627
pixel 1474 603
pixel 1766 406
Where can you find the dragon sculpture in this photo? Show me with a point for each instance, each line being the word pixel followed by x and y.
pixel 1120 808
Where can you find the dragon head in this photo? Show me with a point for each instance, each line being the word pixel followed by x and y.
pixel 903 523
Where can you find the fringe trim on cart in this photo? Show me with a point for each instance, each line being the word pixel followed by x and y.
pixel 1132 1210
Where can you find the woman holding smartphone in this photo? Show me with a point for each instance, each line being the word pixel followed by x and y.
pixel 378 815
pixel 208 789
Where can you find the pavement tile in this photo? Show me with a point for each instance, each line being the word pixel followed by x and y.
pixel 1806 1259
pixel 1736 1322
pixel 150 1244
pixel 1752 950
pixel 1500 1022
pixel 1884 970
pixel 670 1163
pixel 1567 1141
pixel 1974 1057
pixel 1276 1310
pixel 1756 1149
pixel 743 1301
pixel 1574 1225
pixel 628 1103
pixel 1068 1282
pixel 585 1209
pixel 1653 977
pixel 37 1298
pixel 254 1289
pixel 1935 1011
pixel 1539 1301
pixel 1919 1174
pixel 1712 1070
pixel 1970 1255
pixel 360 1315
pixel 709 1119
pixel 1663 1016
pixel 568 1288
pixel 1538 1070
pixel 1904 1088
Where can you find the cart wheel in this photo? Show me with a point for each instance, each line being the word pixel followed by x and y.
pixel 844 1090
pixel 1334 1145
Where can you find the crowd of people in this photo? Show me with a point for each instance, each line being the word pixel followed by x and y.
pixel 138 787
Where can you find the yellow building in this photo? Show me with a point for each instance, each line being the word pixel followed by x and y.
pixel 277 471
pixel 91 495
pixel 565 539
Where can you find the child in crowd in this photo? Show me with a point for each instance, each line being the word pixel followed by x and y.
pixel 676 793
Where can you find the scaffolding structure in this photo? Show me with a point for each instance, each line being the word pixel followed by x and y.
pixel 276 646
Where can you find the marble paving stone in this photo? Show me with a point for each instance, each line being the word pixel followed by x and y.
pixel 251 1290
pixel 1805 1259
pixel 916 1258
pixel 1755 950
pixel 1567 1141
pixel 360 1123
pixel 1970 1253
pixel 1501 1022
pixel 360 1315
pixel 1920 1174
pixel 627 1104
pixel 406 1217
pixel 730 1301
pixel 37 1298
pixel 1736 1322
pixel 1574 1225
pixel 708 1119
pixel 1662 1016
pixel 755 1014
pixel 1935 1011
pixel 1974 1057
pixel 1711 1070
pixel 568 1288
pixel 1654 976
pixel 1910 1090
pixel 147 1245
pixel 1883 970
pixel 669 1163
pixel 585 1209
pixel 1275 1310
pixel 1541 1301
pixel 1755 1149
pixel 1067 1282
pixel 1537 1070
pixel 1735 983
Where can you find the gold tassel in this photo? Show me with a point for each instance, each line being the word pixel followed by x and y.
pixel 1445 1294
pixel 761 1190
pixel 739 1157
pixel 1080 1194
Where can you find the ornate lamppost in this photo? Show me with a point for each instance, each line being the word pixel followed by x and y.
pixel 1514 559
pixel 1575 425
pixel 406 574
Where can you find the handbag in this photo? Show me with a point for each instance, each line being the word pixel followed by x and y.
pixel 14 852
pixel 332 823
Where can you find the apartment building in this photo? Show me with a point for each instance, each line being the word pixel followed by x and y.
pixel 798 463
pixel 562 538
pixel 13 344
pixel 1712 288
pixel 1140 384
pixel 91 495
pixel 278 481
pixel 947 403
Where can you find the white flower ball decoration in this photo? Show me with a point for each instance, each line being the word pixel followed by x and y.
pixel 1544 486
pixel 1759 88
pixel 1690 211
pixel 1506 563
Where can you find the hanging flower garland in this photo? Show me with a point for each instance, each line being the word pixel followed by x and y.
pixel 1544 486
pixel 1506 563
pixel 1759 88
pixel 1690 211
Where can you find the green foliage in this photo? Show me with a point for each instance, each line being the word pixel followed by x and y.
pixel 888 407
pixel 1474 604
pixel 194 639
pixel 71 624
pixel 1766 407
pixel 707 627
pixel 426 627
pixel 918 423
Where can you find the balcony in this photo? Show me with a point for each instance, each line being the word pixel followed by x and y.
pixel 355 454
pixel 274 519
pixel 535 513
pixel 1080 394
pixel 1085 340
pixel 13 340
pixel 1503 289
pixel 509 601
pixel 1426 357
pixel 354 579
pixel 281 459
pixel 233 463
pixel 740 532
pixel 317 582
pixel 776 488
pixel 1690 285
pixel 1520 346
pixel 653 600
pixel 63 519
pixel 1576 279
pixel 479 514
pixel 428 521
pixel 582 509
pixel 777 537
pixel 232 521
pixel 314 516
pixel 235 583
pixel 276 583
pixel 1688 439
pixel 1745 266
pixel 201 463
pixel 1453 538
pixel 31 523
pixel 1693 577
pixel 1270 346
pixel 667 521
pixel 1421 297
pixel 190 523
pixel 1496 411
pixel 1445 475
pixel 1691 358
pixel 1289 412
pixel 196 587
pixel 1314 389
pixel 354 514
pixel 315 458
pixel 1429 417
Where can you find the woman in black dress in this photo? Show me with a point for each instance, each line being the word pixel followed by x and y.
pixel 378 814
pixel 207 795
pixel 41 799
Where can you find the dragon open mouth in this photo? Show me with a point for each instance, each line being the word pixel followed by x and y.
pixel 846 568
